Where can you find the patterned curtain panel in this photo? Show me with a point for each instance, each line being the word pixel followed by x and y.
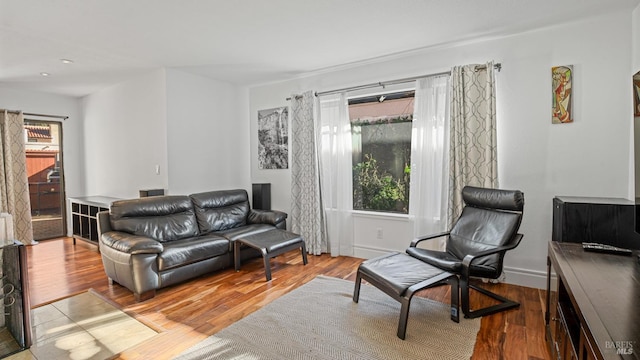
pixel 14 185
pixel 307 218
pixel 472 154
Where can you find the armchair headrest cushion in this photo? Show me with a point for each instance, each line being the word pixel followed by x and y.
pixel 511 200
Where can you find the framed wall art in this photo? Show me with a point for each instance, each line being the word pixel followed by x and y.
pixel 273 138
pixel 562 80
pixel 636 94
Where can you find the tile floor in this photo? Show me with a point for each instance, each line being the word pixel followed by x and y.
pixel 82 327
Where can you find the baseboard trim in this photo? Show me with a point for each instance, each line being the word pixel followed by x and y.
pixel 526 277
pixel 370 252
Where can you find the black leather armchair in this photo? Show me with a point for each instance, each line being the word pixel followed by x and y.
pixel 476 245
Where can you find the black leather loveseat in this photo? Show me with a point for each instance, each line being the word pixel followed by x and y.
pixel 150 243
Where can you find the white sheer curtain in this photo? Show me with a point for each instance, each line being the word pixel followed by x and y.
pixel 335 149
pixel 429 157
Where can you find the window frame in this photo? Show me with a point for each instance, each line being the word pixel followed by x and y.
pixel 391 93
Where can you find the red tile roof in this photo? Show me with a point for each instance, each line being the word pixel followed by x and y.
pixel 38 131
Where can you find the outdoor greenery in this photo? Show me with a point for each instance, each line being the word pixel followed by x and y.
pixel 382 121
pixel 379 190
pixel 381 153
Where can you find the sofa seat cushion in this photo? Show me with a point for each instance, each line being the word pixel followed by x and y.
pixel 187 251
pixel 243 231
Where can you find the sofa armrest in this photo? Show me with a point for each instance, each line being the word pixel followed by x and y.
pixel 130 244
pixel 104 222
pixel 272 217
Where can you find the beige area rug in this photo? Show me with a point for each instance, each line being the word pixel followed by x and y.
pixel 83 326
pixel 319 320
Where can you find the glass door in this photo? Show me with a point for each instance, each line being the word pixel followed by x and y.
pixel 46 180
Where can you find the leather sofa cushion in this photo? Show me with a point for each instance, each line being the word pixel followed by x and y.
pixel 221 210
pixel 450 263
pixel 398 272
pixel 273 217
pixel 163 218
pixel 189 251
pixel 495 199
pixel 236 233
pixel 131 244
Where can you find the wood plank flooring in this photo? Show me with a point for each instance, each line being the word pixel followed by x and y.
pixel 188 313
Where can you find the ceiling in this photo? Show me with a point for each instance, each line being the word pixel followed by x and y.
pixel 244 42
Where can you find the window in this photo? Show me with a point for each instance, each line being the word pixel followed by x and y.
pixel 381 137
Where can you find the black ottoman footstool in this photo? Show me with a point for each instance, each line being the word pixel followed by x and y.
pixel 400 276
pixel 270 243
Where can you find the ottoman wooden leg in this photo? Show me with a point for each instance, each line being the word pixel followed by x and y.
pixel 303 249
pixel 455 299
pixel 267 266
pixel 356 289
pixel 404 317
pixel 236 255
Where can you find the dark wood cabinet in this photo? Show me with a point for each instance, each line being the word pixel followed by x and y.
pixel 15 326
pixel 586 349
pixel 593 311
pixel 608 221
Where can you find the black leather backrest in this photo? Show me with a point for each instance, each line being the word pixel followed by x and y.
pixel 495 199
pixel 221 210
pixel 163 218
pixel 490 218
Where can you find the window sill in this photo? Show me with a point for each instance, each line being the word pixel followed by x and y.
pixel 380 215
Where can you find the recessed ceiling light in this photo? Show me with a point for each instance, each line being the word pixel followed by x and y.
pixel 45 74
pixel 66 61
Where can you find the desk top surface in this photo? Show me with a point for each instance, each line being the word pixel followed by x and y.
pixel 595 200
pixel 103 201
pixel 606 289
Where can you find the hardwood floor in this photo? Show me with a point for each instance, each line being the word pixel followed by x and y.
pixel 188 313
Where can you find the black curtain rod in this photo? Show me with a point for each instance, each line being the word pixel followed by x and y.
pixel 41 115
pixel 497 66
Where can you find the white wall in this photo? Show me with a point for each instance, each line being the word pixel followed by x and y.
pixel 126 137
pixel 635 39
pixel 208 136
pixel 194 128
pixel 589 157
pixel 635 68
pixel 72 129
pixel 262 98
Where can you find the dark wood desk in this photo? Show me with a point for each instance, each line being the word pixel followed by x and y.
pixel 594 311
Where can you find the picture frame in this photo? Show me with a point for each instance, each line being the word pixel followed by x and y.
pixel 273 138
pixel 562 94
pixel 636 95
